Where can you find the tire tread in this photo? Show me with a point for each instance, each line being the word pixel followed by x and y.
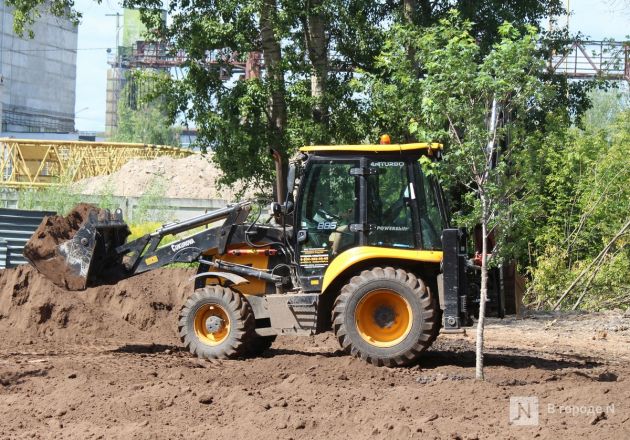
pixel 242 331
pixel 428 305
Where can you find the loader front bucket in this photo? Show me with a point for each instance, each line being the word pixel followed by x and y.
pixel 75 250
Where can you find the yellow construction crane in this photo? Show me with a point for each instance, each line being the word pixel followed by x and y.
pixel 37 163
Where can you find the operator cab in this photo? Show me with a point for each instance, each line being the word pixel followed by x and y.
pixel 364 195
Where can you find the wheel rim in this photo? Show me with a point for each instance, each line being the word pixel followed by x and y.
pixel 383 318
pixel 212 324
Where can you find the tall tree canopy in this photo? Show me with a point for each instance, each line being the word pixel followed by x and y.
pixel 315 55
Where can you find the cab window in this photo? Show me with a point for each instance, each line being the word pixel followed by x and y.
pixel 390 198
pixel 431 223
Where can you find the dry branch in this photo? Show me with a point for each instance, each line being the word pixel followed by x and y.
pixel 601 255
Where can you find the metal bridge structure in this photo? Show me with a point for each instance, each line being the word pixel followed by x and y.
pixel 579 59
pixel 593 60
pixel 28 163
pixel 159 55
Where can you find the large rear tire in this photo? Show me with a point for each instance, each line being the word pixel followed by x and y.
pixel 216 323
pixel 385 316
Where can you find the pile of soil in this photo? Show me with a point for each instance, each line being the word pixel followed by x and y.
pixel 192 177
pixel 31 305
pixel 41 249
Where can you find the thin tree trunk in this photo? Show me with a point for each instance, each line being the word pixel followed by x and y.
pixel 485 216
pixel 409 13
pixel 317 48
pixel 272 56
pixel 484 292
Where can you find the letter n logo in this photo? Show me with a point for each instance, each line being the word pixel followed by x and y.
pixel 524 411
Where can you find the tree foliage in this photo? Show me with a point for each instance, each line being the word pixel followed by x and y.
pixel 582 203
pixel 605 108
pixel 315 54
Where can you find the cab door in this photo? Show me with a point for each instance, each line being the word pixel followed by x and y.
pixel 391 199
pixel 329 204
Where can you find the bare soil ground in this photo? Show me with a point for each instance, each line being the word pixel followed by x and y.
pixel 107 363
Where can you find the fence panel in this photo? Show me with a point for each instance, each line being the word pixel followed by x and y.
pixel 16 227
pixel 172 209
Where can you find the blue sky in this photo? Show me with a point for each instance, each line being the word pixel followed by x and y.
pixel 97 32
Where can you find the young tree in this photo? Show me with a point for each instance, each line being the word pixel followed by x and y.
pixel 479 103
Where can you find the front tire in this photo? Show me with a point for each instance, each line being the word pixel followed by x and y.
pixel 216 323
pixel 385 316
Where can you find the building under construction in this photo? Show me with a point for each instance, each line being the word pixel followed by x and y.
pixel 37 76
pixel 135 52
pixel 121 63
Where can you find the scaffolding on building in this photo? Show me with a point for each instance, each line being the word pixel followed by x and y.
pixel 40 163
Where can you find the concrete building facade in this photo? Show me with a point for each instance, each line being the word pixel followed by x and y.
pixel 38 76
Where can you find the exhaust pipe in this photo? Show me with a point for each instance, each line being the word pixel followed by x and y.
pixel 281 180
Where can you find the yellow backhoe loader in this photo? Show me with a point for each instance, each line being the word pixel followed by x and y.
pixel 360 245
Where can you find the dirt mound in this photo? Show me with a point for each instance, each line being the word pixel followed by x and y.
pixel 192 177
pixel 41 249
pixel 30 304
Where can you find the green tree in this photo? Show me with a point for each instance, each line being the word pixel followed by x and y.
pixel 314 53
pixel 605 108
pixel 585 201
pixel 474 100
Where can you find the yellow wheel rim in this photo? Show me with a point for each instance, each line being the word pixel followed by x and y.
pixel 212 324
pixel 383 318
